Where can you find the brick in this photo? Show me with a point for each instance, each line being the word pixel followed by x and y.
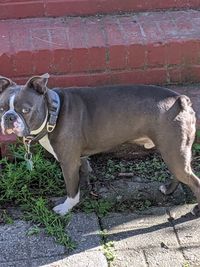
pixel 41 38
pixel 79 60
pixel 173 53
pixel 118 57
pixel 7 138
pixel 5 37
pixel 6 66
pixel 149 76
pixel 25 9
pixel 183 52
pixel 174 75
pixel 113 32
pixel 156 55
pixel 184 25
pixel 102 78
pixel 58 37
pixel 23 63
pixel 193 73
pixel 136 56
pixel 42 61
pixel 88 7
pixel 97 58
pixel 94 33
pixel 151 32
pixel 169 30
pixel 69 80
pixel 116 42
pixel 131 29
pixel 61 61
pixel 190 51
pixel 76 34
pixel 4 141
pixel 84 79
pixel 20 40
pixel 69 7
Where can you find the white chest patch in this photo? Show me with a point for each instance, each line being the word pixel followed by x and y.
pixel 46 144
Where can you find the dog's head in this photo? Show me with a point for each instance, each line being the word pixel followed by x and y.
pixel 23 108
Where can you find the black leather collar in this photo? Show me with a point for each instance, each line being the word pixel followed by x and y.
pixel 53 106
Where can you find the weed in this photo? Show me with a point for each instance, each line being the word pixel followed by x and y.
pixel 19 185
pixel 37 211
pixel 108 247
pixel 34 231
pixel 109 251
pixel 101 207
pixel 6 218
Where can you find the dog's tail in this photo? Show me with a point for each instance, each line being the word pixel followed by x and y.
pixel 185 102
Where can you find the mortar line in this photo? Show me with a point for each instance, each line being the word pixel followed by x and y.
pixel 145 257
pixel 176 234
pixel 102 237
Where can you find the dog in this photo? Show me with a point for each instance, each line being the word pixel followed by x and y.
pixel 74 123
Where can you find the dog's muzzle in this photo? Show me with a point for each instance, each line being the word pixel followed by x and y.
pixel 12 122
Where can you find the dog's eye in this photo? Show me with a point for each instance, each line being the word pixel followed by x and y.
pixel 25 110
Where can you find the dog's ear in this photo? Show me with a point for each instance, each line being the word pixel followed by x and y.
pixel 38 83
pixel 5 83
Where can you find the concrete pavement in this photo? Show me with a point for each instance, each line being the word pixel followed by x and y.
pixel 156 237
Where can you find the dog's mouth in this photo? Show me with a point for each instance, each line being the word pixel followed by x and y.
pixel 17 128
pixel 14 131
pixel 9 131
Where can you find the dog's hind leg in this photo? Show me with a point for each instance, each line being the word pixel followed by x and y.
pixel 178 159
pixel 85 171
pixel 169 188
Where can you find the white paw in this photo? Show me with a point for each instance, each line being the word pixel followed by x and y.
pixel 162 189
pixel 61 209
pixel 66 206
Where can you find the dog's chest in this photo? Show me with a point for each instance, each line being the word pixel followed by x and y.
pixel 46 144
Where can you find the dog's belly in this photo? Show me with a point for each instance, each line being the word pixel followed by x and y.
pixel 46 144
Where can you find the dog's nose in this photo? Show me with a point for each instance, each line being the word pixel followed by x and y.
pixel 10 118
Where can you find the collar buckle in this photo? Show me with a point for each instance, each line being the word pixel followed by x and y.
pixel 50 127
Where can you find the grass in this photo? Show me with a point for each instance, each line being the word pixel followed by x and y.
pixel 30 190
pixel 17 183
pixel 38 212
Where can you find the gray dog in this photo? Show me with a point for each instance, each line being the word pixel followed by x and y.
pixel 79 122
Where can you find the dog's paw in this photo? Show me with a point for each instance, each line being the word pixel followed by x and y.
pixel 61 209
pixel 163 189
pixel 66 206
pixel 196 211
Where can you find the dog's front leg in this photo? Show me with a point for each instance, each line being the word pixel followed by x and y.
pixel 71 175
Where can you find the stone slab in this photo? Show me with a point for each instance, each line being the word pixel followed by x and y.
pixel 82 259
pixel 143 239
pixel 84 229
pixel 187 228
